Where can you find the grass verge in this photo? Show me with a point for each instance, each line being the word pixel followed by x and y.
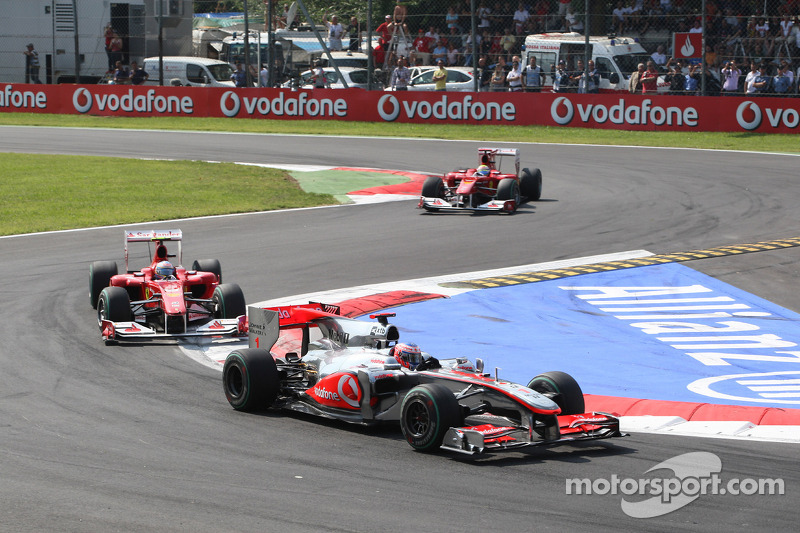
pixel 45 193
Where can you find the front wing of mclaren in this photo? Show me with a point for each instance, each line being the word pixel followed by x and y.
pixel 496 437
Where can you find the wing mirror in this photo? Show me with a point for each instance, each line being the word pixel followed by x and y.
pixel 479 365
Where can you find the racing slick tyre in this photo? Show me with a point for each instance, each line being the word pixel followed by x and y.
pixel 208 265
pixel 562 389
pixel 427 412
pixel 508 189
pixel 250 379
pixel 228 301
pixel 530 184
pixel 433 187
pixel 114 304
pixel 100 274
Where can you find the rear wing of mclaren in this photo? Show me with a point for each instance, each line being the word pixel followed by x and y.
pixel 265 323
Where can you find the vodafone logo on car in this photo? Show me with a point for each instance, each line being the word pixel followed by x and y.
pixel 749 115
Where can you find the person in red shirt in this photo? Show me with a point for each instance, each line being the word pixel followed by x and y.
pixel 649 79
pixel 384 32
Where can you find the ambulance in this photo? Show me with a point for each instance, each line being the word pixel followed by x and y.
pixel 615 58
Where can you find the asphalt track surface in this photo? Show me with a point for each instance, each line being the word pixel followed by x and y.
pixel 140 438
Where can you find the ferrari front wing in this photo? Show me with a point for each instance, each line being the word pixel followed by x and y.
pixel 136 332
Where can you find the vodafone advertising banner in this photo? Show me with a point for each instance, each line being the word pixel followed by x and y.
pixel 603 111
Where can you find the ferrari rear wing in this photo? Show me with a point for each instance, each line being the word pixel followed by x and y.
pixel 154 236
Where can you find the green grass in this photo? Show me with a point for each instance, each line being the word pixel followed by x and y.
pixel 42 193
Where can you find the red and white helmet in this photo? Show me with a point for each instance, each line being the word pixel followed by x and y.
pixel 408 354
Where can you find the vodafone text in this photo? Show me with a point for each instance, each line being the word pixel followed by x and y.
pixel 562 112
pixel 301 106
pixel 84 101
pixel 446 108
pixel 749 116
pixel 22 99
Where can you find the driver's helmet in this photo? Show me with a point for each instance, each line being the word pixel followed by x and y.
pixel 164 270
pixel 482 170
pixel 408 354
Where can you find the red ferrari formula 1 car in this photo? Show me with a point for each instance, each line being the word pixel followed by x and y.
pixel 307 358
pixel 485 188
pixel 164 299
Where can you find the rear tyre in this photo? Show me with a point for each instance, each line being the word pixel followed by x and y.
pixel 250 379
pixel 508 189
pixel 530 183
pixel 208 265
pixel 228 301
pixel 114 304
pixel 433 187
pixel 562 389
pixel 427 412
pixel 100 274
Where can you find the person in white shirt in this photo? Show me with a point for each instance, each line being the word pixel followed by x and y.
pixel 335 32
pixel 521 17
pixel 514 76
pixel 749 88
pixel 659 57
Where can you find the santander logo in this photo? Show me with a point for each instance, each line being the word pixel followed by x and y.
pixel 687 50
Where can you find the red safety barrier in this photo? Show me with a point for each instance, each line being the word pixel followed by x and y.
pixel 604 111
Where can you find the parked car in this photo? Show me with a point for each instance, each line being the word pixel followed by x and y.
pixel 458 79
pixel 354 77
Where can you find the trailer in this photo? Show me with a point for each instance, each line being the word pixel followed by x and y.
pixel 69 36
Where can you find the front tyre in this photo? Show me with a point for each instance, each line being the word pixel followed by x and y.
pixel 228 301
pixel 433 187
pixel 562 389
pixel 100 274
pixel 250 379
pixel 508 189
pixel 113 304
pixel 427 412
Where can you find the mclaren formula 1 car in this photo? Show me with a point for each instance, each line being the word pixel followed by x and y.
pixel 307 358
pixel 484 188
pixel 164 299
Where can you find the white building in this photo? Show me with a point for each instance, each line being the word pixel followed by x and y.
pixel 70 33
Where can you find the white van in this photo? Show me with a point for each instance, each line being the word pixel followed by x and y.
pixel 614 58
pixel 190 71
